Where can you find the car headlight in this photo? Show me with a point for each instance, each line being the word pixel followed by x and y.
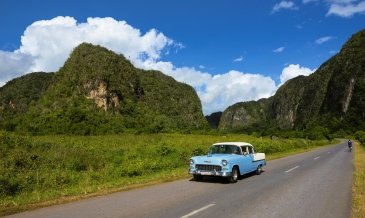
pixel 191 162
pixel 224 162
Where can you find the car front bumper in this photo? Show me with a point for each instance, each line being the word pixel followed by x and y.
pixel 209 173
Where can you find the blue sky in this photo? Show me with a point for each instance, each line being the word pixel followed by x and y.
pixel 229 51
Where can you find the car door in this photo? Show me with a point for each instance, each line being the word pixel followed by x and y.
pixel 250 153
pixel 246 160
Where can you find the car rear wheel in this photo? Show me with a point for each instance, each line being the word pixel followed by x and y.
pixel 259 169
pixel 234 177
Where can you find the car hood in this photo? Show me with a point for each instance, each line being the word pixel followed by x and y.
pixel 214 159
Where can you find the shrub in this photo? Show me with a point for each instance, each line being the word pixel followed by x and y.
pixel 9 186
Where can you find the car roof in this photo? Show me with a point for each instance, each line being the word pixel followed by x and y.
pixel 234 143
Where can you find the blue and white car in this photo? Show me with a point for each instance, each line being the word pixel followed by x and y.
pixel 227 159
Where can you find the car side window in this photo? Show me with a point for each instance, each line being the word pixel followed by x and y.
pixel 244 150
pixel 238 150
pixel 250 151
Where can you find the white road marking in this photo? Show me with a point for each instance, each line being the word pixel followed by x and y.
pixel 292 169
pixel 198 210
pixel 316 158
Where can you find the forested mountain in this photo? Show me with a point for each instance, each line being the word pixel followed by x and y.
pixel 214 119
pixel 99 92
pixel 333 97
pixel 17 95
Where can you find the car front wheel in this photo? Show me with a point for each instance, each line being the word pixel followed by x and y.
pixel 234 177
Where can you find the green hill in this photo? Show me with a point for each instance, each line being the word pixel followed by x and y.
pixel 214 119
pixel 17 95
pixel 99 92
pixel 333 97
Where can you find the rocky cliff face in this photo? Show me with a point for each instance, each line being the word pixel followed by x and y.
pixel 345 97
pixel 333 96
pixel 101 95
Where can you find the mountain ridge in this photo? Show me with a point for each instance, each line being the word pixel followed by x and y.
pixel 98 91
pixel 332 97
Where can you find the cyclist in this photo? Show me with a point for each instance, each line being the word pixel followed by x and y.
pixel 349 143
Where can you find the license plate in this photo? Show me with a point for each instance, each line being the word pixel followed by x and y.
pixel 206 173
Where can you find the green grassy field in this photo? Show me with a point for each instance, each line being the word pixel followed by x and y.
pixel 45 170
pixel 358 190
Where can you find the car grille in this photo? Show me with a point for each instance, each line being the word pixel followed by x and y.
pixel 205 167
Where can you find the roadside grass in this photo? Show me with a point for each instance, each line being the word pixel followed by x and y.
pixel 46 170
pixel 358 190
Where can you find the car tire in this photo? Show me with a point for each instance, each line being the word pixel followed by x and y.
pixel 259 169
pixel 198 177
pixel 234 177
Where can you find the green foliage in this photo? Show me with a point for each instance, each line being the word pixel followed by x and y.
pixel 41 168
pixel 246 115
pixel 18 94
pixel 360 135
pixel 99 92
pixel 214 119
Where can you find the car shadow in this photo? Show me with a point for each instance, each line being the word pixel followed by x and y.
pixel 222 180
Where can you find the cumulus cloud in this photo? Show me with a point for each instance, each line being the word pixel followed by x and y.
pixel 308 1
pixel 13 64
pixel 288 5
pixel 323 39
pixel 346 8
pixel 279 50
pixel 294 70
pixel 239 59
pixel 217 92
pixel 51 41
pixel 232 87
pixel 46 44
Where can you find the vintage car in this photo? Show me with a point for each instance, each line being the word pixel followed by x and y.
pixel 227 159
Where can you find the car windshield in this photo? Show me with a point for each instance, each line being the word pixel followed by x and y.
pixel 224 149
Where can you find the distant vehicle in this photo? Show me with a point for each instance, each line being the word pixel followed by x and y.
pixel 227 159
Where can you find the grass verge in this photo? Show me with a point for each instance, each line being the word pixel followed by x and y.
pixel 47 170
pixel 358 190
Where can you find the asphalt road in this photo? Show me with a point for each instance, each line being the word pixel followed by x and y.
pixel 313 184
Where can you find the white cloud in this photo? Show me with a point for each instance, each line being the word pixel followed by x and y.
pixel 323 39
pixel 232 87
pixel 341 1
pixel 288 5
pixel 279 50
pixel 294 70
pixel 13 64
pixel 346 8
pixel 219 91
pixel 239 59
pixel 201 67
pixel 46 44
pixel 51 41
pixel 308 1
